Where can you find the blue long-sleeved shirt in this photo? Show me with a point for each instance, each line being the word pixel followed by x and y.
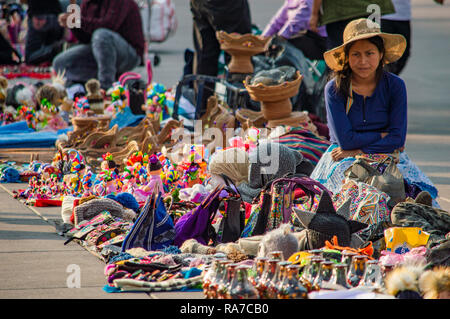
pixel 384 111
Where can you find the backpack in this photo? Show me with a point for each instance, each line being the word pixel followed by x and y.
pixel 158 19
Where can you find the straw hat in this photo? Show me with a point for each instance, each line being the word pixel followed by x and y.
pixel 394 44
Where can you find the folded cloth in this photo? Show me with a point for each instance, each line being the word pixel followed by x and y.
pixel 94 207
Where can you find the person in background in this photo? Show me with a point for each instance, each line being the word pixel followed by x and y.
pixel 45 36
pixel 335 15
pixel 400 23
pixel 210 16
pixel 11 17
pixel 291 22
pixel 111 42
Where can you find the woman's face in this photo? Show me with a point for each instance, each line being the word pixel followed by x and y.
pixel 364 58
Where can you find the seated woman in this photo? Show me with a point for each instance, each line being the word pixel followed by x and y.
pixel 291 22
pixel 366 107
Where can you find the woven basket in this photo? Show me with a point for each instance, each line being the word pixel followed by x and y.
pixel 275 99
pixel 241 48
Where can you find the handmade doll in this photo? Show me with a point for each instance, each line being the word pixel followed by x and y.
pixel 154 180
pixel 82 107
pixel 94 96
pixel 118 97
pixel 48 98
pixel 156 99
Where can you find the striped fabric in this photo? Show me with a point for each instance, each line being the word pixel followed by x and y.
pixel 168 285
pixel 307 143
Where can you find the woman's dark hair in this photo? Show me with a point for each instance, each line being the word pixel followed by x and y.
pixel 343 77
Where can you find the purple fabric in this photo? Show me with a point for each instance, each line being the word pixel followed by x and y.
pixel 194 224
pixel 291 18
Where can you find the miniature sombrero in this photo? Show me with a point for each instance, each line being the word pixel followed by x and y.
pixel 359 29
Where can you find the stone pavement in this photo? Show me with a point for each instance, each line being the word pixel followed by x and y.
pixel 35 263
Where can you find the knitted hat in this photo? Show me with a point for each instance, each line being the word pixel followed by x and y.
pixel 94 207
pixel 233 162
pixel 126 200
pixel 154 164
pixel 268 161
pixel 326 222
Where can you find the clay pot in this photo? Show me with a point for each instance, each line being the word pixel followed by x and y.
pixel 275 99
pixel 241 48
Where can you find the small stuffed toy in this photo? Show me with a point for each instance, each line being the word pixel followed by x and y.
pixel 49 98
pixel 326 223
pixel 403 281
pixel 279 239
pixel 435 283
pixel 94 96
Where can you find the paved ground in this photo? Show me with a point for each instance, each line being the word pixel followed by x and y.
pixel 33 259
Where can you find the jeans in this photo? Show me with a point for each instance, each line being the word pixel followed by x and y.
pixel 44 43
pixel 105 58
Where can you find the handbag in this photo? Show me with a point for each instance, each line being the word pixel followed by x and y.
pixel 136 91
pixel 390 181
pixel 233 220
pixel 276 206
pixel 197 224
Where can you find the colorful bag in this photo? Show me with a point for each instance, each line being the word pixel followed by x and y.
pixel 390 181
pixel 153 228
pixel 367 205
pixel 400 240
pixel 102 234
pixel 276 206
pixel 197 223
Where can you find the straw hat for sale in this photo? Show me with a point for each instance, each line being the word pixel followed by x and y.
pixel 394 44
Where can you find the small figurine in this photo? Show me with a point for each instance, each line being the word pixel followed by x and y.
pixel 94 96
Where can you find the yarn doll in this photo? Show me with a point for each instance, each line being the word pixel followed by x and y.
pixel 154 170
pixel 94 96
pixel 156 99
pixel 118 97
pixel 82 106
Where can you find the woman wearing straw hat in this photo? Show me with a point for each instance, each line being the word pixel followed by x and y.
pixel 366 105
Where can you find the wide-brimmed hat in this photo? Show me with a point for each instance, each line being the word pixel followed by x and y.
pixel 394 44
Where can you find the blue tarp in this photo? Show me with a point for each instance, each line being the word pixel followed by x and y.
pixel 19 135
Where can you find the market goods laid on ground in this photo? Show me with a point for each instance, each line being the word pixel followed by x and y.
pixel 246 205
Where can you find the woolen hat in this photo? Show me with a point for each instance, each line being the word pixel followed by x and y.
pixel 266 154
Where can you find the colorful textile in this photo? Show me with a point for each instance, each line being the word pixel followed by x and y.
pixel 368 205
pixel 307 143
pixel 331 173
